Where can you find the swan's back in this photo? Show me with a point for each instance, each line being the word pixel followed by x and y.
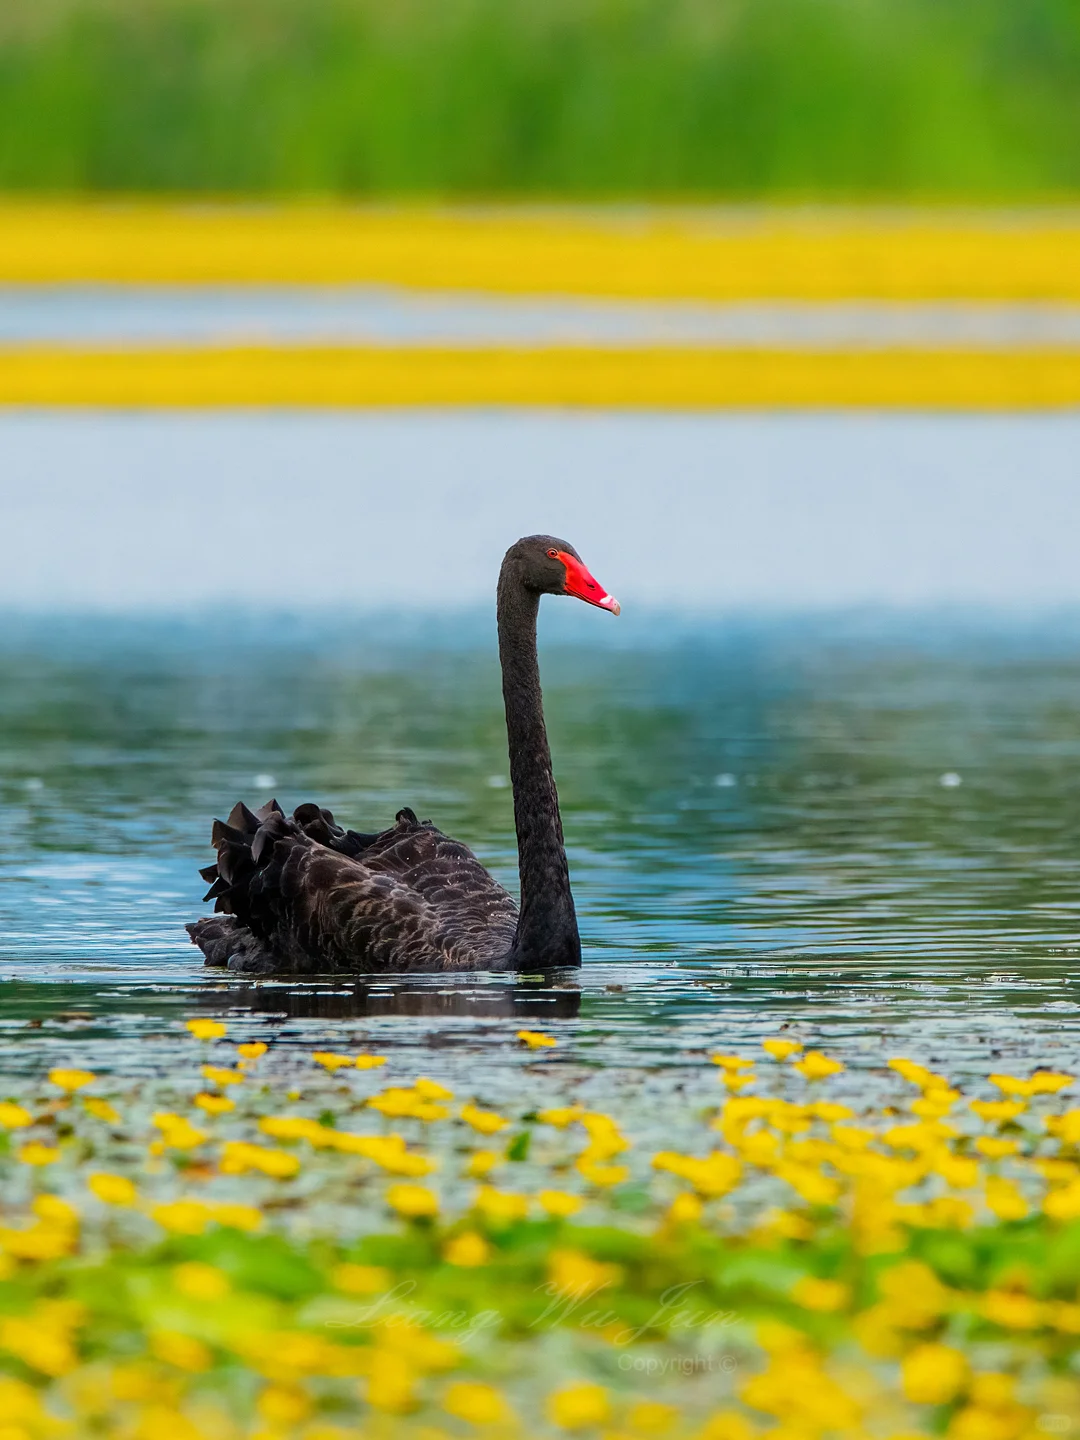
pixel 304 895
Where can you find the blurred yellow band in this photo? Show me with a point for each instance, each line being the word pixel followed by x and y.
pixel 652 378
pixel 656 253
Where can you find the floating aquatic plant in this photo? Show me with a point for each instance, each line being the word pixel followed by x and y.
pixel 257 1260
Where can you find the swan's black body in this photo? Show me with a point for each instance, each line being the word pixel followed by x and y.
pixel 302 895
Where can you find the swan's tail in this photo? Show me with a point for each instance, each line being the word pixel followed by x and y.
pixel 245 846
pixel 244 840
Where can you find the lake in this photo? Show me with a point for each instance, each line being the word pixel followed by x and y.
pixel 865 828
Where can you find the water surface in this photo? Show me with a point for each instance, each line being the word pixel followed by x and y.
pixel 866 830
pixel 383 315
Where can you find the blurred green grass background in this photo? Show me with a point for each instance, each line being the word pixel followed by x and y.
pixel 965 99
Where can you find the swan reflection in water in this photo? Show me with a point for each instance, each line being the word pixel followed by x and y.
pixel 409 997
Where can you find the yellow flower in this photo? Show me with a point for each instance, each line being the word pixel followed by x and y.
pixel 732 1062
pixel 1057 1172
pixel 814 1294
pixel 329 1061
pixel 20 1403
pixel 294 1127
pixel 789 1225
pixel 389 1152
pixel 934 1374
pixel 414 1201
pixel 500 1206
pixel 1066 1127
pixel 1064 1204
pixel 214 1104
pixel 561 1116
pixel 1004 1198
pixel 182 1217
pixel 70 1080
pixel 369 1062
pixel 183 1351
pixel 685 1209
pixel 959 1171
pixel 177 1132
pixel 468 1250
pixel 925 1138
pixel 486 1122
pixel 713 1176
pixel 650 1417
pixel 200 1281
pixel 251 1049
pixel 220 1075
pixel 994 1148
pixel 605 1141
pixel 113 1189
pixel 14 1117
pixel 992 1389
pixel 283 1405
pixel 559 1203
pixel 476 1403
pixel 361 1279
pixel 915 1074
pixel 1012 1310
pixel 602 1175
pixel 809 1183
pixel 1043 1082
pixel 534 1039
pixel 390 1385
pixel 53 1211
pixel 852 1137
pixel 728 1425
pixel 239 1156
pixel 780 1049
pixel 998 1109
pixel 1050 1082
pixel 100 1109
pixel 397 1102
pixel 934 1103
pixel 578 1406
pixel 235 1216
pixel 39 1242
pixel 42 1346
pixel 574 1273
pixel 206 1029
pixel 432 1090
pixel 830 1111
pixel 1064 1316
pixel 37 1154
pixel 816 1066
pixel 481 1163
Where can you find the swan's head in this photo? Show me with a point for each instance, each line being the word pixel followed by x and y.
pixel 553 567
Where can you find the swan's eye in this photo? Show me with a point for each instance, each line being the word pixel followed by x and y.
pixel 553 554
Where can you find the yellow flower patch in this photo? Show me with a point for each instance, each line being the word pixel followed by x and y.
pixel 816 1066
pixel 206 1029
pixel 414 1201
pixel 71 1080
pixel 781 1049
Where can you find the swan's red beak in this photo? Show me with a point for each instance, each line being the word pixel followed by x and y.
pixel 582 585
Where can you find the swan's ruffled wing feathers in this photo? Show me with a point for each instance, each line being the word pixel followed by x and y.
pixel 317 897
pixel 225 941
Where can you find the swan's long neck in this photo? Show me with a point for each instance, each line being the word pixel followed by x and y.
pixel 547 933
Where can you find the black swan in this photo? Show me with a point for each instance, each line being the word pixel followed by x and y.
pixel 302 895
